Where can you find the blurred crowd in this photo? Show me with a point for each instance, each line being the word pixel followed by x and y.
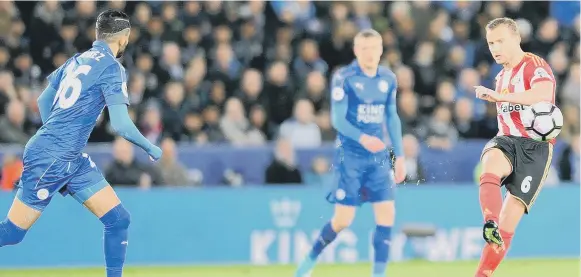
pixel 249 72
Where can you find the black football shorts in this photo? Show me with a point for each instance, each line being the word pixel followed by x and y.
pixel 530 160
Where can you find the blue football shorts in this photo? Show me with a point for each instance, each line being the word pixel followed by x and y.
pixel 361 178
pixel 44 175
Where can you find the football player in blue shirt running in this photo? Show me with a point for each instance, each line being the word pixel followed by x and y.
pixel 363 103
pixel 76 94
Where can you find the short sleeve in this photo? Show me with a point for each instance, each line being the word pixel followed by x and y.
pixel 537 70
pixel 53 79
pixel 113 85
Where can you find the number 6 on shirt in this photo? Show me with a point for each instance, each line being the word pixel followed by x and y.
pixel 71 81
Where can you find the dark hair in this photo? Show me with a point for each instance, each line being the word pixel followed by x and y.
pixel 110 23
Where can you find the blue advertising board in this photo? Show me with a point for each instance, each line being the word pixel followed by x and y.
pixel 211 162
pixel 268 225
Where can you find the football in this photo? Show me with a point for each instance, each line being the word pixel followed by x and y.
pixel 542 121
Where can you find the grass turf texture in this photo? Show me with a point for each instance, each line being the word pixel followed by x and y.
pixel 510 268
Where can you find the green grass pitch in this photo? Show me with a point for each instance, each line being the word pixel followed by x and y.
pixel 510 268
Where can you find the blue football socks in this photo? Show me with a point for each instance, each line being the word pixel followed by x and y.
pixel 381 242
pixel 116 223
pixel 10 234
pixel 327 236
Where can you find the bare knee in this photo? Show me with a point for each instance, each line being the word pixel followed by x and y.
pixel 22 215
pixel 495 162
pixel 343 217
pixel 384 213
pixel 511 213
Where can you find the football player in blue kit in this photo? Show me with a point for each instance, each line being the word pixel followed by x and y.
pixel 76 94
pixel 363 103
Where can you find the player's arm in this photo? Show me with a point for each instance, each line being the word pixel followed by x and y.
pixel 116 98
pixel 393 122
pixel 542 82
pixel 339 109
pixel 45 101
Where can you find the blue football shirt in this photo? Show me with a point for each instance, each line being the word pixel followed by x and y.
pixel 84 85
pixel 360 104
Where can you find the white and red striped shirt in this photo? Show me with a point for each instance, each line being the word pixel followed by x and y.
pixel 522 77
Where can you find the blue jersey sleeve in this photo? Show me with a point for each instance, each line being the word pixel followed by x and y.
pixel 46 98
pixel 55 77
pixel 114 85
pixel 123 126
pixel 393 122
pixel 45 101
pixel 340 107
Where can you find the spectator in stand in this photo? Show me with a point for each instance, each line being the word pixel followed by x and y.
pixel 571 88
pixel 412 121
pixel 275 48
pixel 463 119
pixel 102 131
pixel 151 123
pixel 11 171
pixel 173 173
pixel 328 133
pixel 446 93
pixel 7 90
pixel 125 170
pixel 250 92
pixel 170 64
pixel 236 127
pixel 258 119
pixel 414 169
pixel 174 110
pixel 308 61
pixel 316 90
pixel 301 130
pixel 192 129
pixel 569 165
pixel 226 67
pixel 570 120
pixel 136 88
pixel 441 131
pixel 279 93
pixel 283 169
pixel 320 173
pixel 145 65
pixel 212 127
pixel 12 124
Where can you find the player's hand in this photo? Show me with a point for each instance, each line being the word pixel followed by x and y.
pixel 155 153
pixel 400 171
pixel 371 143
pixel 487 94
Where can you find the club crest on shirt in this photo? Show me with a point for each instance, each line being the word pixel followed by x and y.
pixel 338 94
pixel 541 73
pixel 124 89
pixel 383 86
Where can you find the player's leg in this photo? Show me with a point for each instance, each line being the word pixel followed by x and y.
pixel 116 219
pixel 497 162
pixel 346 198
pixel 89 188
pixel 19 219
pixel 379 189
pixel 384 220
pixel 41 178
pixel 342 218
pixel 534 162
